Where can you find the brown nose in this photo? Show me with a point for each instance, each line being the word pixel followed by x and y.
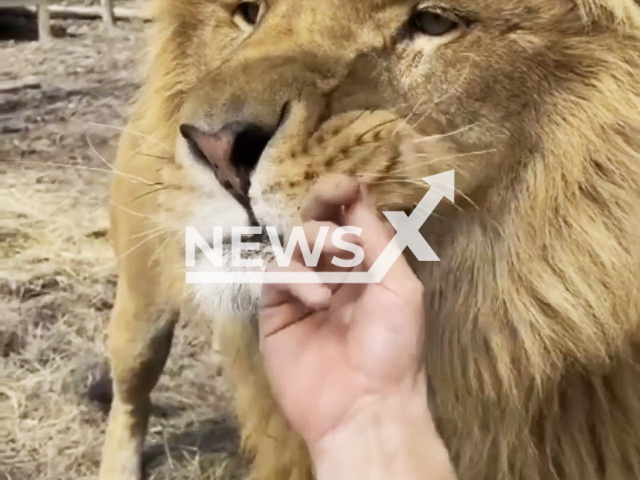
pixel 232 152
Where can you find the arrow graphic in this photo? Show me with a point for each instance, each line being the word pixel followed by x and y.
pixel 408 227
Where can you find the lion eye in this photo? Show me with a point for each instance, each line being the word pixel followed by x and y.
pixel 433 24
pixel 249 12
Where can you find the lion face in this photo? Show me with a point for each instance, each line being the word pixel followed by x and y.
pixel 270 95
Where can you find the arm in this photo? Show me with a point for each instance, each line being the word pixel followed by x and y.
pixel 345 362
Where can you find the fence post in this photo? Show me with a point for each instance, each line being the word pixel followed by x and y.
pixel 44 21
pixel 107 13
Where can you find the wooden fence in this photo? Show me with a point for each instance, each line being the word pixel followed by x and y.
pixel 45 10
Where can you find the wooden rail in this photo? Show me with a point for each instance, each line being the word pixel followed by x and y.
pixel 44 14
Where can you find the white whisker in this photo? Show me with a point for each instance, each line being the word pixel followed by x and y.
pixel 440 136
pixel 134 132
pixel 138 245
pixel 126 175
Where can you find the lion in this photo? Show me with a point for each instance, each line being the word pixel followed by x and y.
pixel 533 311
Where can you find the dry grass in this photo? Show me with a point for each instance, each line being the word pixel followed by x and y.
pixel 57 284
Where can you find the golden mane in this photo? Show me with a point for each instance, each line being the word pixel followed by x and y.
pixel 621 13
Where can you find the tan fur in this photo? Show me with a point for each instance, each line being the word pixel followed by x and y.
pixel 533 347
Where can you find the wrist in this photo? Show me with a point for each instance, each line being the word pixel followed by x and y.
pixel 384 438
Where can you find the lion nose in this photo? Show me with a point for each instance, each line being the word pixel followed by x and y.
pixel 232 152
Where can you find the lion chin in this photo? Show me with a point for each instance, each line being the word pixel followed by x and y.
pixel 235 301
pixel 533 327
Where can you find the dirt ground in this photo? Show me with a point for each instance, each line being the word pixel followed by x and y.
pixel 57 277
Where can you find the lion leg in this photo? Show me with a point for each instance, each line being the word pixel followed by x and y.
pixel 139 343
pixel 278 452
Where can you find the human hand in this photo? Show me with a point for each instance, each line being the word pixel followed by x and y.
pixel 334 351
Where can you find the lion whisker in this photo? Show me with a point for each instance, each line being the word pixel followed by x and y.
pixel 439 136
pixel 146 154
pixel 458 155
pixel 438 159
pixel 128 210
pixel 404 122
pixel 134 132
pixel 420 183
pixel 419 120
pixel 90 169
pixel 157 190
pixel 126 175
pixel 454 88
pixel 146 232
pixel 162 245
pixel 138 245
